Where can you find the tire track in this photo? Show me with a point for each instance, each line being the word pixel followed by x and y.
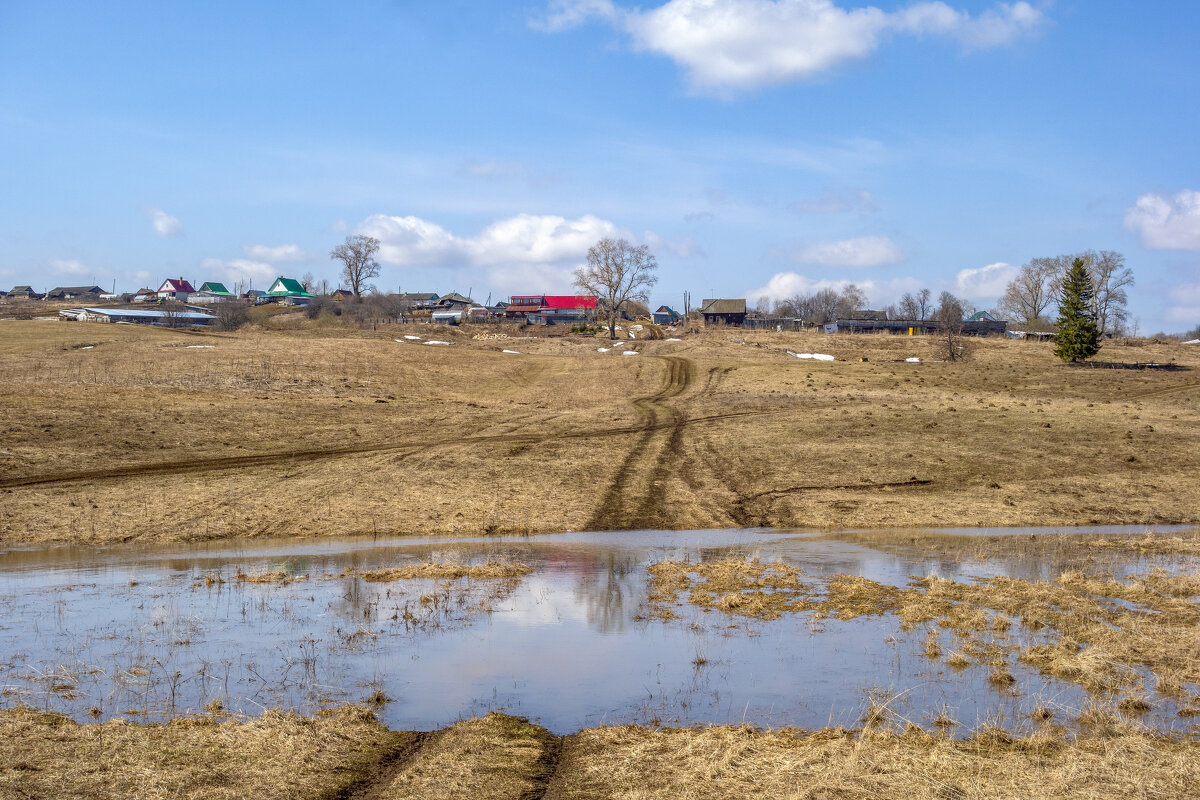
pixel 382 775
pixel 1166 390
pixel 613 512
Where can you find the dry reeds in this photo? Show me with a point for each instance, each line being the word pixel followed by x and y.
pixel 449 570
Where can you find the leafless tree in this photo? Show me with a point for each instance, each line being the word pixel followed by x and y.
pixel 1110 276
pixel 924 304
pixel 1028 295
pixel 232 314
pixel 850 302
pixel 617 272
pixel 357 255
pixel 825 306
pixel 908 307
pixel 308 282
pixel 949 317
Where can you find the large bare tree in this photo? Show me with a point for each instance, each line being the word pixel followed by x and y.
pixel 949 316
pixel 1030 294
pixel 617 272
pixel 1110 303
pixel 357 255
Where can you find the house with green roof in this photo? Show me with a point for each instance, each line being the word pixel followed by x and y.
pixel 211 292
pixel 215 288
pixel 287 290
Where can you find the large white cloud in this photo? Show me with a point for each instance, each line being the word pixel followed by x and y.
pixel 163 223
pixel 1185 305
pixel 742 44
pixel 526 251
pixel 987 282
pixel 863 251
pixel 281 253
pixel 783 285
pixel 249 273
pixel 1167 223
pixel 67 266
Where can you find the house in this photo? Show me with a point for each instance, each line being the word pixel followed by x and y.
pixel 25 293
pixel 724 312
pixel 452 302
pixel 175 290
pixel 145 296
pixel 417 301
pixel 665 316
pixel 286 290
pixel 343 294
pixel 913 327
pixel 211 292
pixel 521 306
pixel 981 316
pixel 73 292
pixel 568 309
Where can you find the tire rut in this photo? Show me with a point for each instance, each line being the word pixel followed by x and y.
pixel 379 779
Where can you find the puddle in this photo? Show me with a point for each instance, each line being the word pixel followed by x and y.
pixel 149 632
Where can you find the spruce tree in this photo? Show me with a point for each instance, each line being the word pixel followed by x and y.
pixel 1078 337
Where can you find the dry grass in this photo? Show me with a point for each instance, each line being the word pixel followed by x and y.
pixel 716 763
pixel 449 570
pixel 496 756
pixel 273 756
pixel 1102 631
pixel 346 754
pixel 144 438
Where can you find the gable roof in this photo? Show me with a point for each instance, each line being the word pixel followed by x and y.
pixel 75 290
pixel 287 286
pixel 215 288
pixel 454 297
pixel 172 285
pixel 667 310
pixel 418 297
pixel 981 316
pixel 728 306
pixel 565 301
pixel 22 290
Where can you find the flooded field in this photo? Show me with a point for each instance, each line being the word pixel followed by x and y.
pixel 576 630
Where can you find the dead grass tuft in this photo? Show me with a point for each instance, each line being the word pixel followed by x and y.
pixel 449 570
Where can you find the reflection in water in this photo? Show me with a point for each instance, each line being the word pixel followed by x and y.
pixel 147 633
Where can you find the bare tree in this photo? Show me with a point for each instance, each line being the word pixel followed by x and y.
pixel 1030 293
pixel 617 272
pixel 850 302
pixel 357 255
pixel 308 282
pixel 232 314
pixel 1110 276
pixel 825 306
pixel 949 317
pixel 924 305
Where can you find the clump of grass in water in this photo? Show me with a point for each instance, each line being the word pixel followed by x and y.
pixel 272 576
pixel 449 570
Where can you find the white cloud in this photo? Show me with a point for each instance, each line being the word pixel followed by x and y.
pixel 985 282
pixel 783 285
pixel 831 202
pixel 164 224
pixel 239 270
pixel 282 253
pixel 1185 307
pixel 743 44
pixel 526 251
pixel 864 251
pixel 1167 223
pixel 66 266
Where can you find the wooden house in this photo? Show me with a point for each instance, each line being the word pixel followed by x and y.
pixel 724 312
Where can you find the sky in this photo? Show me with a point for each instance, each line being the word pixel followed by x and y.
pixel 760 148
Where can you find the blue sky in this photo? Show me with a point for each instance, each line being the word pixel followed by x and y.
pixel 759 147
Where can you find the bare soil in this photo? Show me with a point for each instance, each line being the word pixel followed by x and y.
pixel 125 433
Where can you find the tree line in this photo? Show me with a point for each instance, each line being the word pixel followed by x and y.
pixel 1038 286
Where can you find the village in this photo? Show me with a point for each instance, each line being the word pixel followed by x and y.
pixel 178 303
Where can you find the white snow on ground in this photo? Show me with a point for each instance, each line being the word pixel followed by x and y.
pixel 635 327
pixel 513 352
pixel 913 360
pixel 630 353
pixel 431 341
pixel 1192 341
pixel 601 349
pixel 199 347
pixel 815 356
pixel 411 338
pixel 88 347
pixel 673 340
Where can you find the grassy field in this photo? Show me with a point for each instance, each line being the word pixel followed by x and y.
pixel 345 754
pixel 117 433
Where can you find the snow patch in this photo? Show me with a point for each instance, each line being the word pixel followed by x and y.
pixel 513 352
pixel 673 340
pixel 630 353
pixel 411 338
pixel 433 341
pixel 1192 341
pixel 913 360
pixel 87 347
pixel 601 349
pixel 814 356
pixel 199 347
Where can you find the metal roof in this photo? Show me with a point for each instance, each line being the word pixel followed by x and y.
pixel 143 313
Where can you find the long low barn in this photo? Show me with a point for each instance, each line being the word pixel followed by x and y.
pixel 137 315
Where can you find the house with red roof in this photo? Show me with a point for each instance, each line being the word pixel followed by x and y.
pixel 552 309
pixel 173 289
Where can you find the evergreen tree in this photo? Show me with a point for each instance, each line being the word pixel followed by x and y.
pixel 1078 336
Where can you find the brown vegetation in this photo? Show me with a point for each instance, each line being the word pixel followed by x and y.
pixel 449 570
pixel 346 754
pixel 296 427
